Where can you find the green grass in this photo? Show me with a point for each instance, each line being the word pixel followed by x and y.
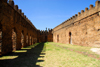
pixel 83 49
pixel 50 54
pixel 59 57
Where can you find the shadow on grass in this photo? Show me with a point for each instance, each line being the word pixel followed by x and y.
pixel 25 59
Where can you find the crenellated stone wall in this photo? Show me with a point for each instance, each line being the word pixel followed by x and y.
pixel 81 29
pixel 16 30
pixel 45 36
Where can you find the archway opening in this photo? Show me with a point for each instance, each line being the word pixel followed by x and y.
pixel 14 37
pixel 30 40
pixel 0 38
pixel 27 39
pixel 22 39
pixel 70 38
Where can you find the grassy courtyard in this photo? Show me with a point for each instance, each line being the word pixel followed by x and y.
pixel 51 54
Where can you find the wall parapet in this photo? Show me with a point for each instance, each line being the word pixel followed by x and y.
pixel 16 8
pixel 81 15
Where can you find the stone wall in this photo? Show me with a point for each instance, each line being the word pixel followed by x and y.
pixel 45 36
pixel 81 29
pixel 16 30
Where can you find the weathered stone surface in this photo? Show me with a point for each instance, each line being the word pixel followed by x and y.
pixel 45 36
pixel 16 30
pixel 84 28
pixel 12 22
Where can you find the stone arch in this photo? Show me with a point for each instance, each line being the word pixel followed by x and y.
pixel 0 37
pixel 14 39
pixel 70 38
pixel 30 40
pixel 22 38
pixel 27 39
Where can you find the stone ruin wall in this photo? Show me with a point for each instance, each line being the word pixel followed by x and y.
pixel 84 28
pixel 12 18
pixel 45 36
pixel 16 30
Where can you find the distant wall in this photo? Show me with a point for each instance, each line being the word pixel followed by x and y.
pixel 45 36
pixel 81 29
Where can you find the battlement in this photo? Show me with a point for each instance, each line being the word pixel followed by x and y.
pixel 44 31
pixel 16 8
pixel 84 13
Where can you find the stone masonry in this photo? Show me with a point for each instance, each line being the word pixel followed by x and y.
pixel 45 36
pixel 16 30
pixel 81 29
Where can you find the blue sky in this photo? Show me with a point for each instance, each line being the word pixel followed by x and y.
pixel 50 13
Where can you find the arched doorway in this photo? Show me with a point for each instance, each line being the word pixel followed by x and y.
pixel 22 39
pixel 30 40
pixel 70 38
pixel 14 37
pixel 0 38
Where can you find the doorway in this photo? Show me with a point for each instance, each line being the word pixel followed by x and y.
pixel 57 38
pixel 70 38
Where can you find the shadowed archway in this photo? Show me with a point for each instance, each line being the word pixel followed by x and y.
pixel 14 39
pixel 70 38
pixel 22 39
pixel 0 37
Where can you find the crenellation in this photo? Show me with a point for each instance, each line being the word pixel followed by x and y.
pixel 82 11
pixel 25 17
pixel 16 7
pixel 75 15
pixel 21 27
pixel 23 14
pixel 15 23
pixel 85 22
pixel 71 18
pixel 20 11
pixel 97 4
pixel 86 9
pixel 11 2
pixel 79 13
pixel 91 6
pixel 66 20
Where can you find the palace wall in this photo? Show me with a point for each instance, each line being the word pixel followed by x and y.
pixel 81 29
pixel 16 30
pixel 45 36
